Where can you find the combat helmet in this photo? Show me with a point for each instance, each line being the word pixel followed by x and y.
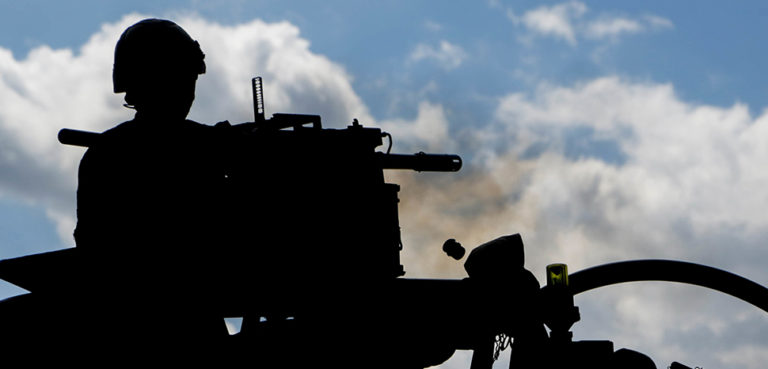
pixel 152 48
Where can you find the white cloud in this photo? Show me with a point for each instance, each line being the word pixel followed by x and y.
pixel 702 152
pixel 40 94
pixel 446 54
pixel 567 21
pixel 555 21
pixel 427 132
pixel 657 22
pixel 612 27
pixel 296 80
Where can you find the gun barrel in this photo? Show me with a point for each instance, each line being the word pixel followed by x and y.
pixel 421 162
pixel 77 138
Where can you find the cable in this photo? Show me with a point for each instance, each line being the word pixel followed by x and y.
pixel 670 271
pixel 386 134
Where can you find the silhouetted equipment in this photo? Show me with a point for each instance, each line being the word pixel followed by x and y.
pixel 313 235
pixel 453 249
pixel 258 100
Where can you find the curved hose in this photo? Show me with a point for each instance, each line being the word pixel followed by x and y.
pixel 670 271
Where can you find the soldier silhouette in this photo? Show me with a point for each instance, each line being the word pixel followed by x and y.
pixel 143 277
pixel 146 199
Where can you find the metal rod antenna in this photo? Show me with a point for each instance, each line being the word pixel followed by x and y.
pixel 258 100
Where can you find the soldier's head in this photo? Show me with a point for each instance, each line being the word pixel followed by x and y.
pixel 156 65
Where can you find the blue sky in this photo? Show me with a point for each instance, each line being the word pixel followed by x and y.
pixel 599 130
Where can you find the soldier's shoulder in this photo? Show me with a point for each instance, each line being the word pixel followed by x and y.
pixel 206 132
pixel 121 130
pixel 191 124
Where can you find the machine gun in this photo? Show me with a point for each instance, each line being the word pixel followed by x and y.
pixel 317 275
pixel 287 173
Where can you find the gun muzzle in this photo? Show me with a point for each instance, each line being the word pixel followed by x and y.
pixel 77 138
pixel 421 162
